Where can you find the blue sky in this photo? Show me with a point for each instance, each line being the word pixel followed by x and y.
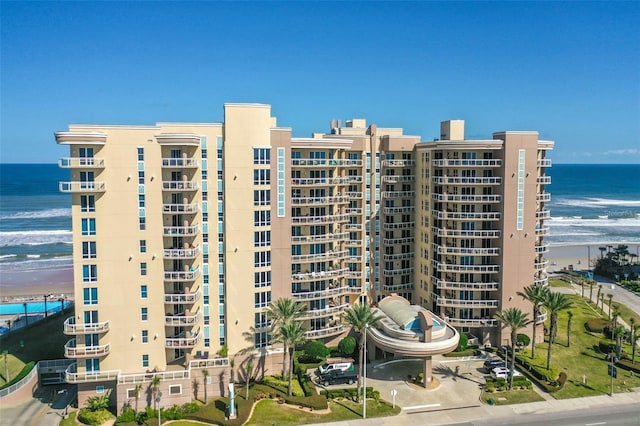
pixel 570 70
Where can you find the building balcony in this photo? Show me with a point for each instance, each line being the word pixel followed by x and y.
pixel 398 287
pixel 326 181
pixel 403 225
pixel 165 376
pixel 456 198
pixel 354 226
pixel 467 251
pixel 172 276
pixel 466 216
pixel 182 320
pixel 541 232
pixel 325 332
pixel 336 218
pixel 352 194
pixel 398 178
pixel 398 163
pixel 174 231
pixel 325 294
pixel 353 243
pixel 180 208
pixel 543 197
pixel 353 211
pixel 324 162
pixel 542 316
pixel 541 265
pixel 319 257
pixel 440 301
pixel 71 375
pixel 81 163
pixel 454 285
pixel 396 272
pixel 70 327
pixel 354 274
pixel 180 185
pixel 354 258
pixel 460 233
pixel 320 275
pixel 313 239
pixel 180 163
pixel 544 248
pixel 189 139
pixel 544 162
pixel 326 312
pixel 473 269
pixel 455 180
pixel 543 180
pixel 472 323
pixel 393 241
pixel 182 298
pixel 543 214
pixel 399 256
pixel 189 253
pixel 400 209
pixel 543 280
pixel 467 163
pixel 305 201
pixel 80 187
pixel 398 194
pixel 183 340
pixel 73 351
pixel 81 138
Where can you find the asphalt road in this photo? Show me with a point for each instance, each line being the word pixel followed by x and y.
pixel 46 408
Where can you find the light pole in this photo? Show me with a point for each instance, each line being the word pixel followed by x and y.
pixel 364 401
pixel 45 305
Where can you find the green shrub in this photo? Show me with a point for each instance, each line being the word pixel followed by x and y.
pixel 314 351
pixel 278 384
pixel 98 402
pixel 462 343
pixel 606 347
pixel 89 417
pixel 128 416
pixel 523 340
pixel 347 346
pixel 304 381
pixel 596 325
pixel 626 364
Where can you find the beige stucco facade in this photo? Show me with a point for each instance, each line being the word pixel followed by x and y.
pixel 184 232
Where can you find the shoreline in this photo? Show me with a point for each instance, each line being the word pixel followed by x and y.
pixel 579 256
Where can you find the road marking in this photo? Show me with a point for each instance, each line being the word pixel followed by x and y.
pixel 417 407
pixel 38 416
pixel 594 424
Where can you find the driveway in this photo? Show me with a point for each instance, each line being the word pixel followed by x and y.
pixel 46 408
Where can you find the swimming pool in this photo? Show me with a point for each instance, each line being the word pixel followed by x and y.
pixel 32 307
pixel 415 325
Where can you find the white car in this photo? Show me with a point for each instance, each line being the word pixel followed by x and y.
pixel 503 373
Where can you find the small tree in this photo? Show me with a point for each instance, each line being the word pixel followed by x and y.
pixel 347 345
pixel 514 319
pixel 315 351
pixel 155 390
pixel 5 355
pixel 98 402
pixel 569 317
pixel 136 393
pixel 635 335
pixel 462 343
pixel 523 340
pixel 205 376
pixel 249 373
pixel 610 297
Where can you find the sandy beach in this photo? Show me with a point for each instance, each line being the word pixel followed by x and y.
pixel 578 256
pixel 35 283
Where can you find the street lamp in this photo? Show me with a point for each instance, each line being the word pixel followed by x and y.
pixel 364 402
pixel 46 296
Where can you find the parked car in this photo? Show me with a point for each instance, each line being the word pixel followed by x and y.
pixel 338 377
pixel 490 364
pixel 503 373
pixel 335 364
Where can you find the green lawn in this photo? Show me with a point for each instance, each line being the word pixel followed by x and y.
pixel 625 313
pixel 519 396
pixel 15 367
pixel 582 357
pixel 559 283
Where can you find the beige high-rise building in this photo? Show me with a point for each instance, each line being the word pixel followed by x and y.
pixel 185 232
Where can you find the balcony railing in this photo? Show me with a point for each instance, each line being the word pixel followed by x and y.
pixel 398 194
pixel 542 316
pixel 180 208
pixel 173 231
pixel 544 248
pixel 182 320
pixel 461 322
pixel 71 375
pixel 337 218
pixel 455 180
pixel 305 201
pixel 72 351
pixel 402 225
pixel 544 162
pixel 353 243
pixel 467 163
pixel 81 163
pixel 453 233
pixel 320 275
pixel 167 376
pixel 182 298
pixel 180 185
pixel 326 312
pixel 339 236
pixel 398 163
pixel 543 180
pixel 398 287
pixel 354 211
pixel 399 209
pixel 399 256
pixel 80 186
pixel 325 294
pixel 324 332
pixel 180 162
pixel 393 241
pixel 466 303
pixel 326 181
pixel 543 214
pixel 182 342
pixel 453 198
pixel 465 216
pixel 396 272
pixel 323 162
pixel 320 257
pixel 182 275
pixel 454 285
pixel 398 178
pixel 71 328
pixel 543 197
pixel 475 251
pixel 449 267
pixel 189 253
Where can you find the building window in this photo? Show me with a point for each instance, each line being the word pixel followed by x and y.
pixel 131 393
pixel 88 249
pixel 281 171
pixel 143 292
pixel 262 197
pixel 140 154
pixel 89 273
pixel 87 203
pixel 262 218
pixel 143 268
pixel 262 299
pixel 100 389
pixel 175 390
pixel 145 336
pixel 144 314
pixel 88 227
pixel 145 361
pixel 141 177
pixel 262 239
pixel 261 156
pixel 142 223
pixel 90 295
pixel 262 177
pixel 262 279
pixel 520 203
pixel 262 259
pixel 141 200
pixel 261 339
pixel 143 246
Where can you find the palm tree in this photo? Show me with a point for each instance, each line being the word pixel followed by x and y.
pixel 591 285
pixel 359 317
pixel 280 312
pixel 599 294
pixel 249 372
pixel 535 294
pixel 602 250
pixel 555 303
pixel 601 303
pixel 205 375
pixel 610 297
pixel 569 317
pixel 635 335
pixel 136 393
pixel 515 319
pixel 155 390
pixel 291 334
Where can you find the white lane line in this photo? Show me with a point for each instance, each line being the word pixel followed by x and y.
pixel 594 424
pixel 417 407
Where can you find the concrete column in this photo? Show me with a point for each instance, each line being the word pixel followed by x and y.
pixel 427 372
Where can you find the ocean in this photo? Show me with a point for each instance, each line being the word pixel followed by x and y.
pixel 590 204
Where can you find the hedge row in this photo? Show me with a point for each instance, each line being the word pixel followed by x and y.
pixel 626 364
pixel 21 375
pixel 596 325
pixel 350 393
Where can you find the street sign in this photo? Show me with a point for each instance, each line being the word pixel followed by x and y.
pixel 613 371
